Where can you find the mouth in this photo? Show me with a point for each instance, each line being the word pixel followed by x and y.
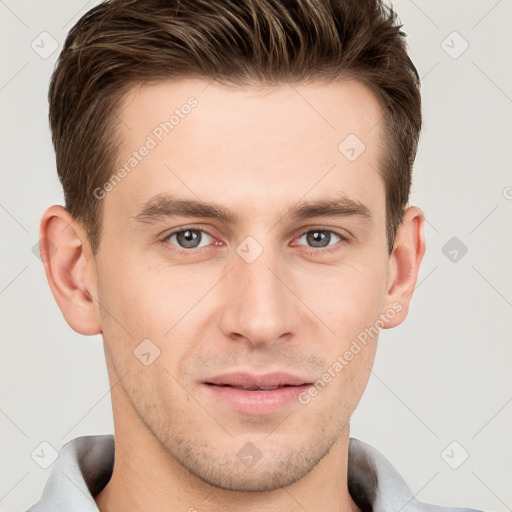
pixel 256 394
pixel 250 388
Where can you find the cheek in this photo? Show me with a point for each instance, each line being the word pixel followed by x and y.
pixel 350 304
pixel 134 295
pixel 349 297
pixel 154 305
pixel 349 362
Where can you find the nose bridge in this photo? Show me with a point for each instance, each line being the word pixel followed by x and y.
pixel 258 306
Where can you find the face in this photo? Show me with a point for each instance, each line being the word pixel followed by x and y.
pixel 245 275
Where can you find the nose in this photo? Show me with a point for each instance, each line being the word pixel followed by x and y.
pixel 260 306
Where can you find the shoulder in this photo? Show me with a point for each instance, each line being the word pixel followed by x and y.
pixel 373 478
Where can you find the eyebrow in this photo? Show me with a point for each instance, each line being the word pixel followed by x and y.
pixel 163 206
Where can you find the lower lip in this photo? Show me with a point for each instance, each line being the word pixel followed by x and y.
pixel 257 402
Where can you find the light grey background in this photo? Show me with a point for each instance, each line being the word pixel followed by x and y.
pixel 442 376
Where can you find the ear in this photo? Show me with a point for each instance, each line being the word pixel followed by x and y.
pixel 70 269
pixel 404 264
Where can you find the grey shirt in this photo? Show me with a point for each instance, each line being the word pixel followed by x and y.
pixel 84 467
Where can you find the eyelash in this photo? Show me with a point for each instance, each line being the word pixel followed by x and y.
pixel 188 252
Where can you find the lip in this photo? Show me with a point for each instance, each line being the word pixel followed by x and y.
pixel 242 391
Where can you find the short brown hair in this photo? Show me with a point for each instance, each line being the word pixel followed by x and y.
pixel 121 43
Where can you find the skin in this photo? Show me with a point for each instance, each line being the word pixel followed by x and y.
pixel 296 308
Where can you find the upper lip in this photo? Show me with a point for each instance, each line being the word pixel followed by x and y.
pixel 252 381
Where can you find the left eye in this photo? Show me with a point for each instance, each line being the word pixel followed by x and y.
pixel 320 238
pixel 188 238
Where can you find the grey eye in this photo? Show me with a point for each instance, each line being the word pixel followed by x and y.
pixel 320 237
pixel 188 238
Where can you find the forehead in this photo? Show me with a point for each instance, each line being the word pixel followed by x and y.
pixel 325 109
pixel 216 142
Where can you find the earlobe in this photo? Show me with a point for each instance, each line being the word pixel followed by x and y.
pixel 70 269
pixel 404 264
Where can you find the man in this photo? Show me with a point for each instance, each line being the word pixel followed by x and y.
pixel 236 176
